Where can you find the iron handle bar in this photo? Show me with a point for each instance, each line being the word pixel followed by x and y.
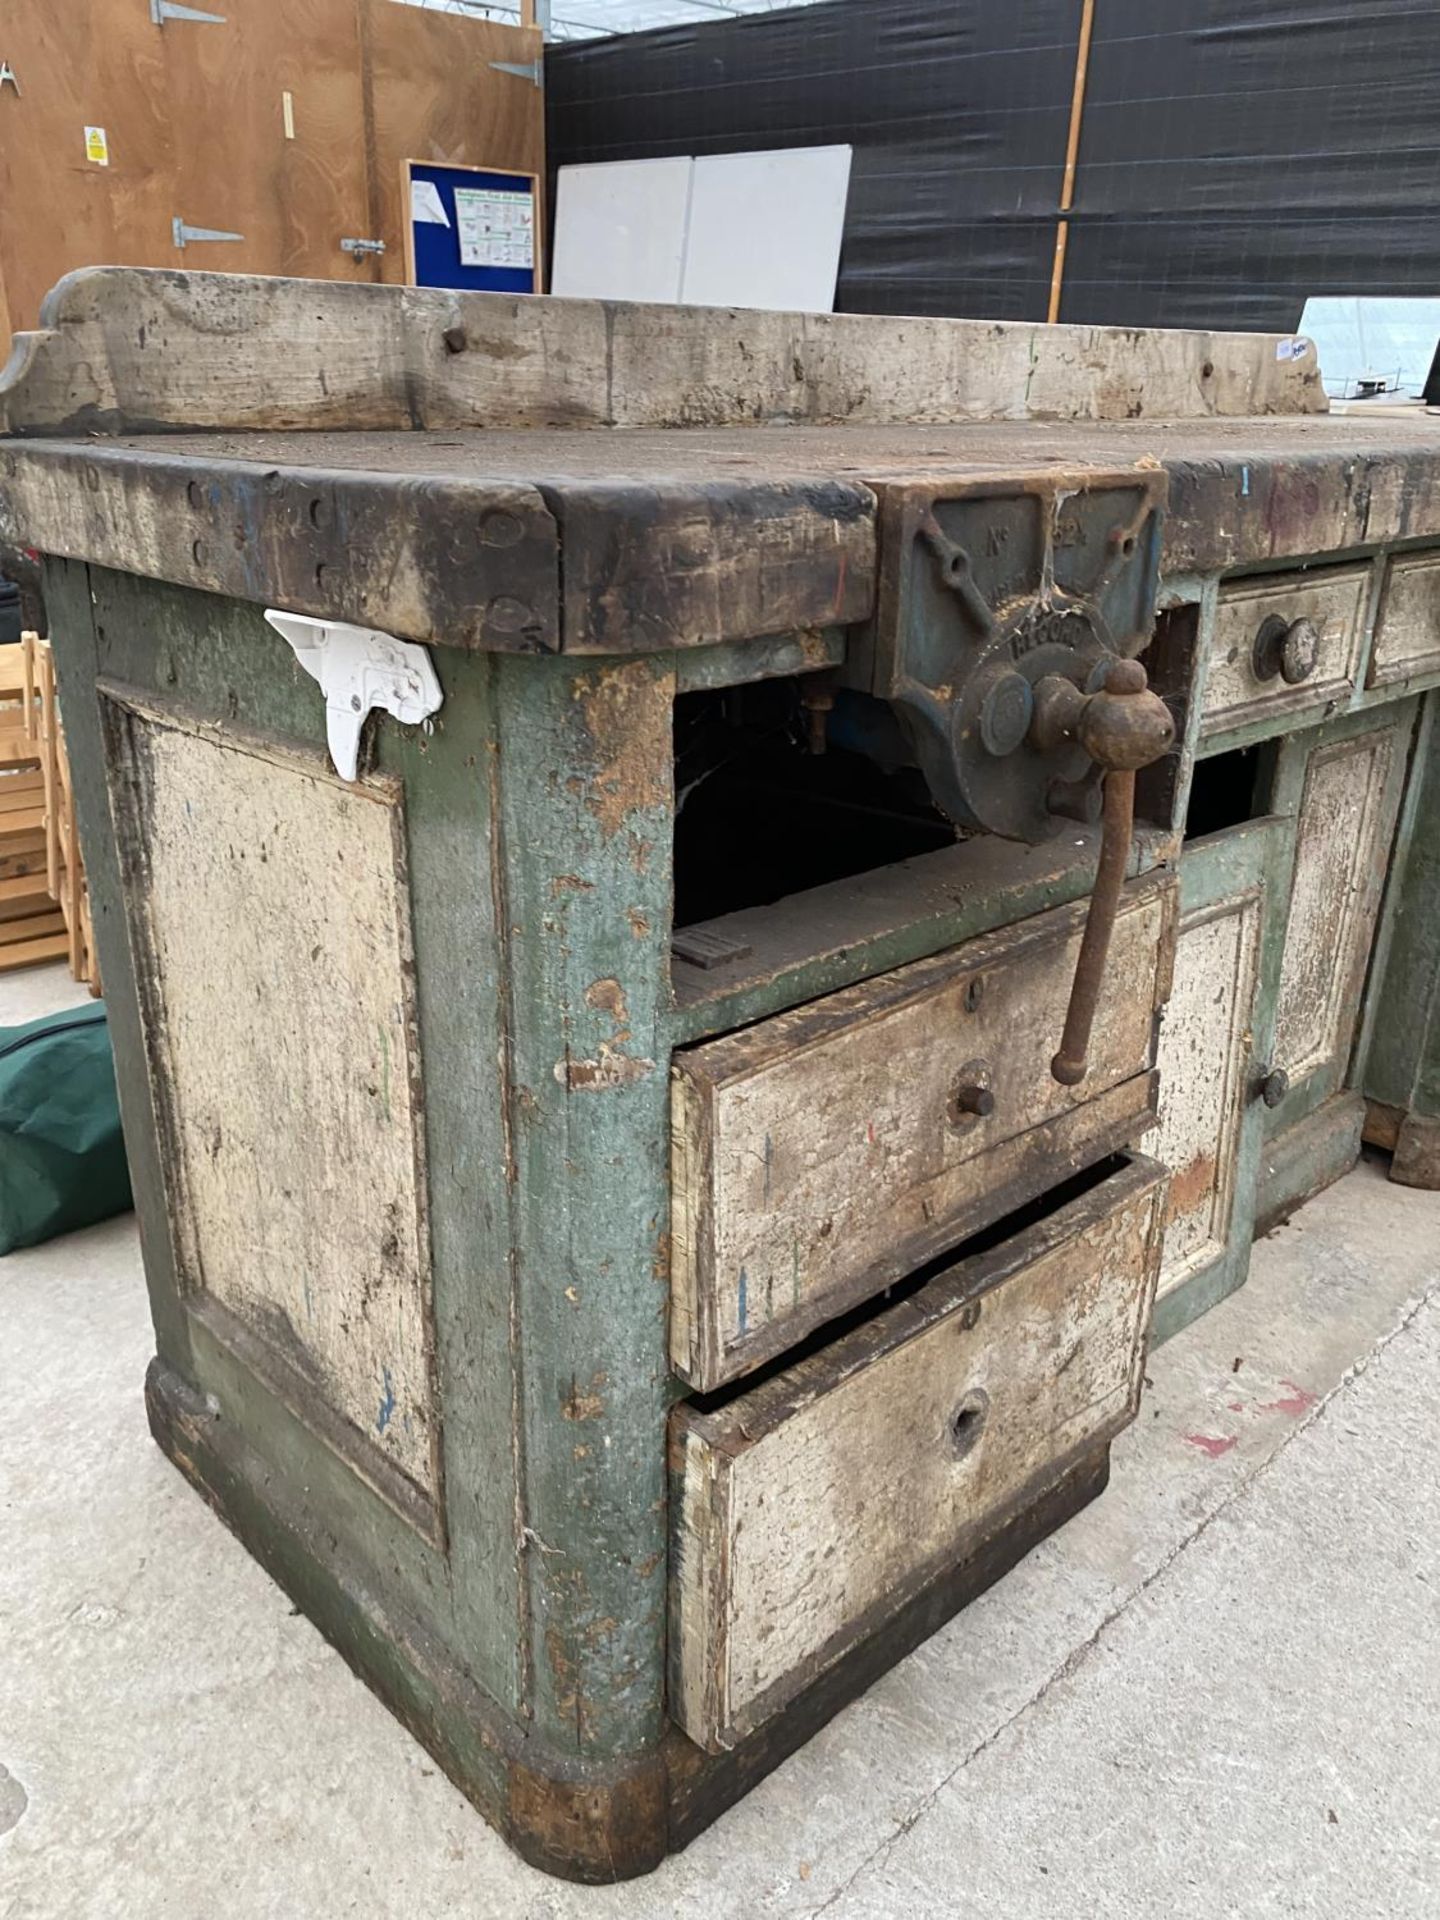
pixel 1123 727
pixel 1118 822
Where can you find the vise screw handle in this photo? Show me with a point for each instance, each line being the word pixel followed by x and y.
pixel 1123 727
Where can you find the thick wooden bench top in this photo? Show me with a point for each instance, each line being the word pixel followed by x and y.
pixel 480 471
pixel 671 538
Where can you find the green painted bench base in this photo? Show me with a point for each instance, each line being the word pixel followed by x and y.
pixel 587 1822
pixel 1308 1157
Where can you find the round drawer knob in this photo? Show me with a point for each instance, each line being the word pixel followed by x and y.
pixel 1273 1086
pixel 971 1098
pixel 1289 648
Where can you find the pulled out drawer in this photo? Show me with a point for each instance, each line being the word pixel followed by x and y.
pixel 1284 644
pixel 822 1154
pixel 812 1508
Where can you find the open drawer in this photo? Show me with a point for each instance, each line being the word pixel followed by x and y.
pixel 822 1154
pixel 810 1509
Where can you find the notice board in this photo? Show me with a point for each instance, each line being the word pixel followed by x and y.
pixel 473 228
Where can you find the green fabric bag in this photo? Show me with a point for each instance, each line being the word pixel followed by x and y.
pixel 62 1155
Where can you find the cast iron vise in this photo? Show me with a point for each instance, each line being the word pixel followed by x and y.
pixel 1004 646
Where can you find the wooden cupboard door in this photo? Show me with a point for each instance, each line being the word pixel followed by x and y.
pixel 269 112
pixel 1345 783
pixel 1213 1040
pixel 95 64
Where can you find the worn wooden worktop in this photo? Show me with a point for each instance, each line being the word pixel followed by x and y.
pixel 670 538
pixel 479 471
pixel 563 459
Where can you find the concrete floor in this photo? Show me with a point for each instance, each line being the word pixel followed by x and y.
pixel 1216 1692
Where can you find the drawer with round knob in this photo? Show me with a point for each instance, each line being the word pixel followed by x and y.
pixel 822 1154
pixel 816 1508
pixel 1286 643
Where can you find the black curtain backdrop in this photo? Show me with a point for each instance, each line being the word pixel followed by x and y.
pixel 1234 157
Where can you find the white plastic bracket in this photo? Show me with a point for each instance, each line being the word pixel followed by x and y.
pixel 359 669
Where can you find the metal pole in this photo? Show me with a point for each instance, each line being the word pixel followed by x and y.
pixel 1072 151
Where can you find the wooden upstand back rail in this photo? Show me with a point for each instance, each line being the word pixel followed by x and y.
pixel 590 814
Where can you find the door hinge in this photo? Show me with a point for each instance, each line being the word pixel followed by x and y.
pixel 532 70
pixel 357 247
pixel 163 10
pixel 184 235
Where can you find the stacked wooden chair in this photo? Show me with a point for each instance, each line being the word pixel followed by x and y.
pixel 44 902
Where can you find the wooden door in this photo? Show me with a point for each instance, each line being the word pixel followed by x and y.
pixel 437 95
pixel 1342 783
pixel 66 202
pixel 269 108
pixel 1214 1038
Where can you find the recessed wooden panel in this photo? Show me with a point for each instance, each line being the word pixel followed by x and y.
pixel 1407 631
pixel 811 1508
pixel 1346 817
pixel 1334 598
pixel 269 916
pixel 1204 1062
pixel 819 1155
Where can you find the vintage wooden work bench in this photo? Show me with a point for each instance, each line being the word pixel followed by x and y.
pixel 628 1247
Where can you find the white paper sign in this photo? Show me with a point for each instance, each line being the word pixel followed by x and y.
pixel 496 226
pixel 427 209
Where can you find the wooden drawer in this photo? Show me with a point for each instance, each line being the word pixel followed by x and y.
pixel 820 1155
pixel 1407 631
pixel 809 1510
pixel 1333 599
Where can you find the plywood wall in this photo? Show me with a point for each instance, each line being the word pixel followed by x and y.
pixel 196 125
pixel 435 97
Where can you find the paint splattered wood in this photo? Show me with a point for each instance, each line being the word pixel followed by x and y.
pixel 819 1155
pixel 1407 627
pixel 276 976
pixel 1205 1071
pixel 811 1508
pixel 1346 817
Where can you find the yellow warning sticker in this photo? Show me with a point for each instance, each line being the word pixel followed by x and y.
pixel 97 147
